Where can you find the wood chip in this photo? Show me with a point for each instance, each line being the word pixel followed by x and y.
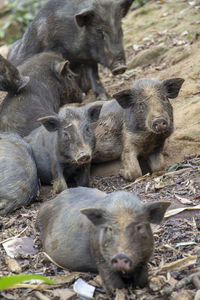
pixel 40 296
pixel 183 200
pixel 64 294
pixel 13 265
pixel 120 295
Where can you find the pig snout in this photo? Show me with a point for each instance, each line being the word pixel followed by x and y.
pixel 83 158
pixel 160 125
pixel 119 69
pixel 121 262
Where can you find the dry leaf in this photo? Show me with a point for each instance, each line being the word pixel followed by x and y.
pixel 178 265
pixel 20 246
pixel 120 295
pixel 176 211
pixel 156 283
pixel 64 294
pixel 183 200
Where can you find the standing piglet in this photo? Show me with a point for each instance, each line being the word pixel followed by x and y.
pixel 137 125
pixel 36 88
pixel 18 173
pixel 86 230
pixel 63 146
pixel 86 32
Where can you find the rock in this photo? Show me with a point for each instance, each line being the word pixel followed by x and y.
pixel 147 57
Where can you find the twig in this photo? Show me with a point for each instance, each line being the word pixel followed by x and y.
pixel 134 182
pixel 2 242
pixel 193 278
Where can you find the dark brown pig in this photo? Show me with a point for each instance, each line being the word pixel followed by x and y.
pixel 18 173
pixel 86 32
pixel 86 230
pixel 63 147
pixel 137 125
pixel 36 88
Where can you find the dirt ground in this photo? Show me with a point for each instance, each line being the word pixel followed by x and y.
pixel 162 40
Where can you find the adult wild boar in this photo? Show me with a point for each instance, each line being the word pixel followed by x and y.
pixel 18 173
pixel 63 147
pixel 137 125
pixel 85 230
pixel 10 78
pixel 85 32
pixel 36 88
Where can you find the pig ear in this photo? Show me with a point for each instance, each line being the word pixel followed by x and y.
pixel 61 68
pixel 155 211
pixel 51 123
pixel 94 112
pixel 96 215
pixel 84 17
pixel 24 80
pixel 173 86
pixel 124 98
pixel 124 6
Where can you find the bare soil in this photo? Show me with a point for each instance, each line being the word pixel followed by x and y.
pixel 162 40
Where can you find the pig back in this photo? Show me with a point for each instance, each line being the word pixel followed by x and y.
pixel 108 132
pixel 65 232
pixel 18 173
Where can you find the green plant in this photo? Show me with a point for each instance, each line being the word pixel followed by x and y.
pixel 22 12
pixel 9 281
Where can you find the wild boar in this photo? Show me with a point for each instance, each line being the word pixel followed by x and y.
pixel 18 173
pixel 36 88
pixel 86 230
pixel 10 78
pixel 63 146
pixel 86 32
pixel 136 125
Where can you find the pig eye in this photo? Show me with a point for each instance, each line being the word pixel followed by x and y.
pixel 164 99
pixel 139 228
pixel 66 135
pixel 108 230
pixel 100 33
pixel 141 106
pixel 87 129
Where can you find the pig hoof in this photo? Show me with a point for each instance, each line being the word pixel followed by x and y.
pixel 129 175
pixel 58 187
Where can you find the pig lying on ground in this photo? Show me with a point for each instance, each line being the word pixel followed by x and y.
pixel 136 125
pixel 63 147
pixel 85 230
pixel 18 173
pixel 36 88
pixel 86 32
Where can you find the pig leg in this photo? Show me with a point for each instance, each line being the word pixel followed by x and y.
pixel 59 183
pixel 82 176
pixel 5 206
pixel 140 277
pixel 111 280
pixel 130 164
pixel 156 162
pixel 97 87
